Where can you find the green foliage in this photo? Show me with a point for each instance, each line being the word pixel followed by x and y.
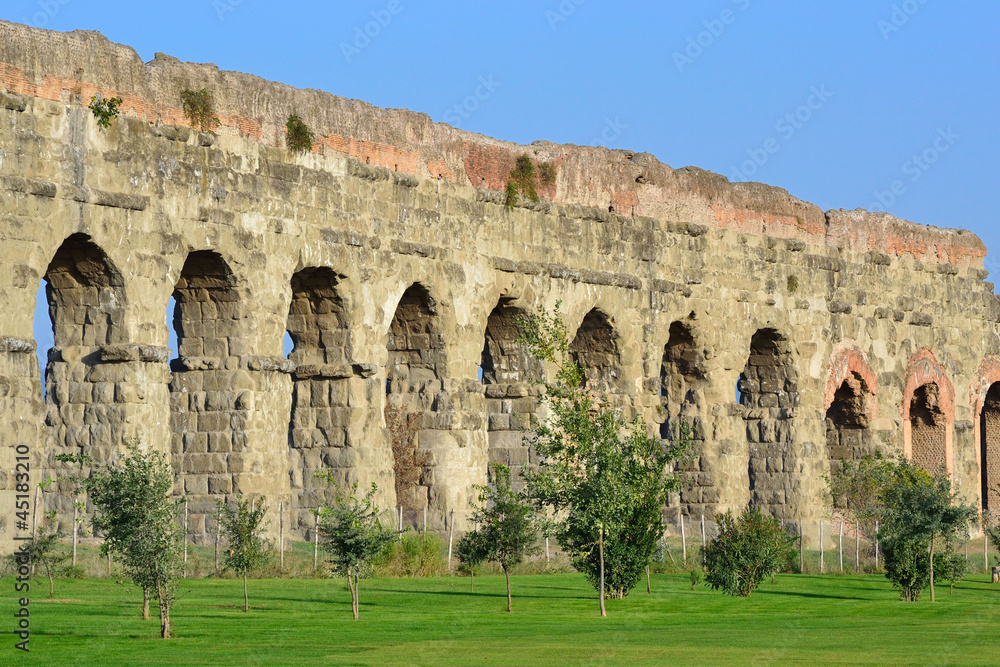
pixel 919 508
pixel 508 533
pixel 243 529
pixel 133 505
pixel 105 110
pixel 793 284
pixel 858 489
pixel 199 109
pixel 353 537
pixel 747 549
pixel 413 556
pixel 43 549
pixel 298 136
pixel 523 180
pixel 951 566
pixel 697 576
pixel 597 473
pixel 472 551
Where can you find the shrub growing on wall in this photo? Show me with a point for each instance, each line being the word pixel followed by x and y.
pixel 298 136
pixel 199 109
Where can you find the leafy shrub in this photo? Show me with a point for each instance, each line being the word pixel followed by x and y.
pixel 199 109
pixel 747 549
pixel 907 566
pixel 298 136
pixel 524 177
pixel 697 576
pixel 105 110
pixel 414 556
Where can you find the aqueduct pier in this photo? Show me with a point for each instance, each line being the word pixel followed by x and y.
pixel 789 337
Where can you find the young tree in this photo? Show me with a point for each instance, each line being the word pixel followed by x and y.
pixel 354 537
pixel 133 506
pixel 43 549
pixel 508 533
pixel 747 549
pixel 606 479
pixel 243 527
pixel 920 508
pixel 472 551
pixel 951 566
pixel 857 489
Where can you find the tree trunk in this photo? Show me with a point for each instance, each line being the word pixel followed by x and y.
pixel 145 603
pixel 600 546
pixel 246 597
pixel 51 588
pixel 357 598
pixel 163 595
pixel 352 584
pixel 932 568
pixel 472 578
pixel 648 589
pixel 507 574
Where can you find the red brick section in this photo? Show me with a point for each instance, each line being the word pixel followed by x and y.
pixel 489 166
pixel 752 222
pixel 848 364
pixel 927 433
pixel 988 441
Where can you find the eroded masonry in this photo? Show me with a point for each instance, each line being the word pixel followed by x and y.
pixel 789 338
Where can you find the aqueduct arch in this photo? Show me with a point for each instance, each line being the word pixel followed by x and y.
pixel 399 204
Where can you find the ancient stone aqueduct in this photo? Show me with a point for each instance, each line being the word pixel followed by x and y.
pixel 388 255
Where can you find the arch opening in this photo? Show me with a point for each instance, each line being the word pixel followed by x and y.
pixel 414 394
pixel 990 449
pixel 595 349
pixel 317 340
pixel 847 422
pixel 769 394
pixel 928 428
pixel 507 371
pixel 681 376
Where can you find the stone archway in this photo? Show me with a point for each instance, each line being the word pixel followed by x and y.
pixel 928 414
pixel 595 348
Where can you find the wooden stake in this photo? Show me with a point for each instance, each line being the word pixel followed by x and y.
pixel 76 512
pixel 986 551
pixel 684 545
pixel 821 564
pixel 600 545
pixel 281 535
pixel 316 544
pixel 425 519
pixel 34 512
pixel 218 538
pixel 703 538
pixel 841 547
pixel 546 551
pixel 451 535
pixel 802 550
pixel 400 523
pixel 857 547
pixel 876 545
pixel 186 515
pixel 109 564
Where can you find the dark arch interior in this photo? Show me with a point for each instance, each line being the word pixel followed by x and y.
pixel 207 310
pixel 504 360
pixel 595 348
pixel 928 428
pixel 681 375
pixel 990 449
pixel 769 391
pixel 86 295
pixel 846 422
pixel 316 323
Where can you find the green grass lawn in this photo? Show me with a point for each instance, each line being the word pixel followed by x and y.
pixel 802 620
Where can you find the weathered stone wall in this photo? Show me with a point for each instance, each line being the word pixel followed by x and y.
pixel 388 255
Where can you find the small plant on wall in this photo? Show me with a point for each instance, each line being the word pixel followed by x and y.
pixel 105 110
pixel 524 178
pixel 199 109
pixel 298 136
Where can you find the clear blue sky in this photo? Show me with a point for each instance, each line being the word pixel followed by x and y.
pixel 695 83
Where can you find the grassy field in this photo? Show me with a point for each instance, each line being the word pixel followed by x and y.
pixel 802 620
